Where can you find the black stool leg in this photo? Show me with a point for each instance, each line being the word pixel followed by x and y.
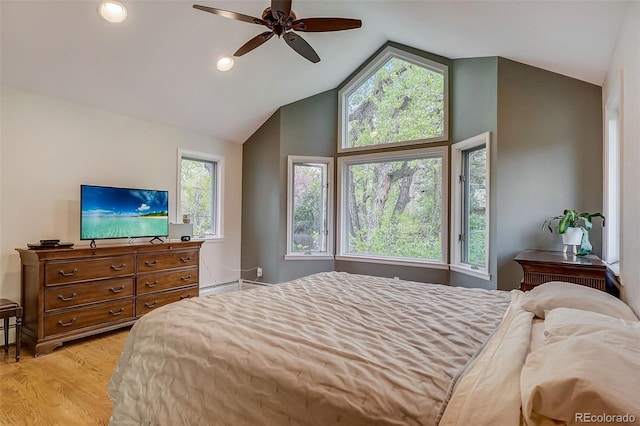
pixel 18 333
pixel 6 335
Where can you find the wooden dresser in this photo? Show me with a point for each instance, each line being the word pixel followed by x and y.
pixel 72 293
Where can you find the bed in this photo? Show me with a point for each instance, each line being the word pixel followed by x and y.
pixel 343 349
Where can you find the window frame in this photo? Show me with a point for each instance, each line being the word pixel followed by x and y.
pixel 218 195
pixel 328 253
pixel 342 219
pixel 458 151
pixel 370 69
pixel 612 189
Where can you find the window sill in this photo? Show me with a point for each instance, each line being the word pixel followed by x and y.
pixel 208 240
pixel 468 270
pixel 308 257
pixel 389 261
pixel 614 268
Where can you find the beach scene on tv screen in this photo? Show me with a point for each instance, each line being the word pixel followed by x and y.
pixel 121 213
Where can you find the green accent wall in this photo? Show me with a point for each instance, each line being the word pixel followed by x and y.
pixel 260 202
pixel 546 155
pixel 549 159
pixel 307 127
pixel 474 110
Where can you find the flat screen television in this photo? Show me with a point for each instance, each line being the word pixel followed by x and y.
pixel 108 212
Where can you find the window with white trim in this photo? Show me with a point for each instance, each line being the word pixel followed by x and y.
pixel 393 207
pixel 200 192
pixel 309 208
pixel 611 244
pixel 398 99
pixel 470 180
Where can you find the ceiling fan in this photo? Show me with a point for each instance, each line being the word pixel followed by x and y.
pixel 282 21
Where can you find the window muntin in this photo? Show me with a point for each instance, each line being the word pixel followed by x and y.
pixel 394 206
pixel 309 203
pixel 470 180
pixel 399 99
pixel 199 192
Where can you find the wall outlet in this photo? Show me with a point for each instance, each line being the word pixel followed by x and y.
pixel 259 272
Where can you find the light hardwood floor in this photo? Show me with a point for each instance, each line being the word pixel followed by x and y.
pixel 66 387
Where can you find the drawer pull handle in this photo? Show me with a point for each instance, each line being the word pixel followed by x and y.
pixel 119 268
pixel 185 259
pixel 116 313
pixel 67 324
pixel 68 274
pixel 182 296
pixel 185 278
pixel 66 299
pixel 154 263
pixel 119 290
pixel 151 285
pixel 151 305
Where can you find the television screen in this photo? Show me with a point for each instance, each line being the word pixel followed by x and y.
pixel 108 212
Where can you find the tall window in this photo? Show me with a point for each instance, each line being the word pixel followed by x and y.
pixel 199 192
pixel 611 246
pixel 398 98
pixel 309 222
pixel 470 206
pixel 393 206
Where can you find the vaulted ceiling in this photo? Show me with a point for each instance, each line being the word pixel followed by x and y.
pixel 159 64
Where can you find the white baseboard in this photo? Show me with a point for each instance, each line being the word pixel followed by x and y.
pixel 231 286
pixel 219 288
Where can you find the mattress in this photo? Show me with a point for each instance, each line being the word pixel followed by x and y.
pixel 328 349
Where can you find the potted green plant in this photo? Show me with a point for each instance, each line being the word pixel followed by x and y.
pixel 570 223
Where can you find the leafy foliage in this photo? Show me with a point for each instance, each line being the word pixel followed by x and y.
pixel 395 208
pixel 475 250
pixel 401 101
pixel 309 208
pixel 197 194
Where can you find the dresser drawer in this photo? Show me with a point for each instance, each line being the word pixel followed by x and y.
pixel 149 302
pixel 82 270
pixel 74 319
pixel 166 280
pixel 161 261
pixel 57 297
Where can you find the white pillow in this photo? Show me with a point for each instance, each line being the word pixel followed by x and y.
pixel 569 322
pixel 557 294
pixel 580 374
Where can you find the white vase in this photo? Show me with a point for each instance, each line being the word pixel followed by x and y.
pixel 572 237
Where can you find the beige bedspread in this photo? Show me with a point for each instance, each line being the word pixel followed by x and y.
pixel 328 349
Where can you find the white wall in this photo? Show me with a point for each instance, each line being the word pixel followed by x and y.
pixel 49 147
pixel 625 71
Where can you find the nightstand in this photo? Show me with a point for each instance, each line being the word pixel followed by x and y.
pixel 541 266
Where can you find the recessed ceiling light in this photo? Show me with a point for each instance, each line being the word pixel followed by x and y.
pixel 112 11
pixel 225 63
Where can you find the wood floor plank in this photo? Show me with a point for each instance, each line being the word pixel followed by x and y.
pixel 68 386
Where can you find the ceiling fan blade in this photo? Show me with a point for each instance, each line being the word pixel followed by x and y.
pixel 253 43
pixel 231 15
pixel 325 24
pixel 281 9
pixel 298 44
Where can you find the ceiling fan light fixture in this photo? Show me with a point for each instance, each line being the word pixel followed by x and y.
pixel 112 11
pixel 283 22
pixel 225 63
